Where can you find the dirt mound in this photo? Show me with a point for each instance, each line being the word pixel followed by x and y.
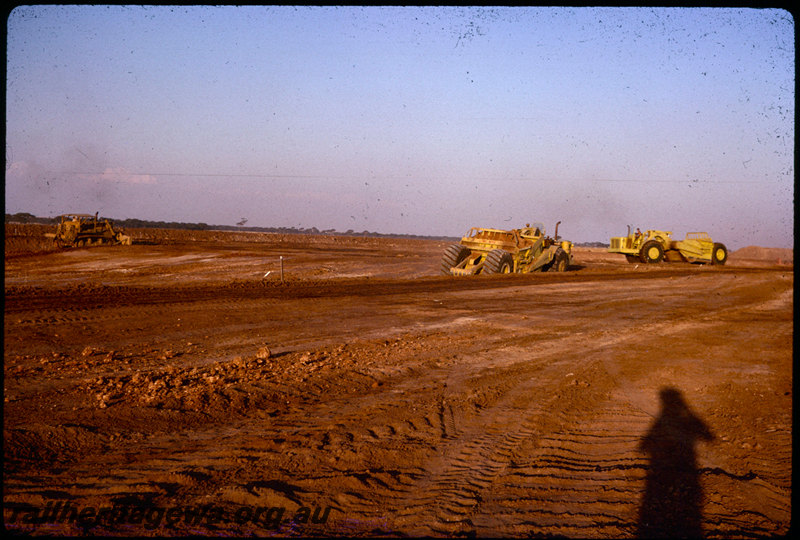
pixel 771 255
pixel 28 239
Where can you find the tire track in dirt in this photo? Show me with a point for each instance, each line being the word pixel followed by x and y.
pixel 457 489
pixel 495 438
pixel 22 298
pixel 573 482
pixel 451 498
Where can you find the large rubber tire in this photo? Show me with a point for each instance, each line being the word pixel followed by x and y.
pixel 498 262
pixel 453 255
pixel 719 255
pixel 652 252
pixel 560 261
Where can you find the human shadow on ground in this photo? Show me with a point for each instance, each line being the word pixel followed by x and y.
pixel 672 506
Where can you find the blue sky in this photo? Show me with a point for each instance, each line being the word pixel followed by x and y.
pixel 415 120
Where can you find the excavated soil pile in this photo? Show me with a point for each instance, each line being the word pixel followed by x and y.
pixel 759 255
pixel 218 383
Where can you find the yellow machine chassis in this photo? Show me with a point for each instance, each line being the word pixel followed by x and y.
pixel 528 250
pixel 696 247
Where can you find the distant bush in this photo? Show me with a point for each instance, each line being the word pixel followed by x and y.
pixel 24 217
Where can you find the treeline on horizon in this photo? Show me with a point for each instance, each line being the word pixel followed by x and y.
pixel 133 223
pixel 24 217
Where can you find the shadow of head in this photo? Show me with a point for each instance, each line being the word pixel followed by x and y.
pixel 671 397
pixel 676 422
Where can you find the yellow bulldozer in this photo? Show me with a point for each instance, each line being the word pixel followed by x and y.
pixel 78 230
pixel 498 251
pixel 655 246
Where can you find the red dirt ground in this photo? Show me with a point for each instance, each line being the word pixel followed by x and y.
pixel 365 395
